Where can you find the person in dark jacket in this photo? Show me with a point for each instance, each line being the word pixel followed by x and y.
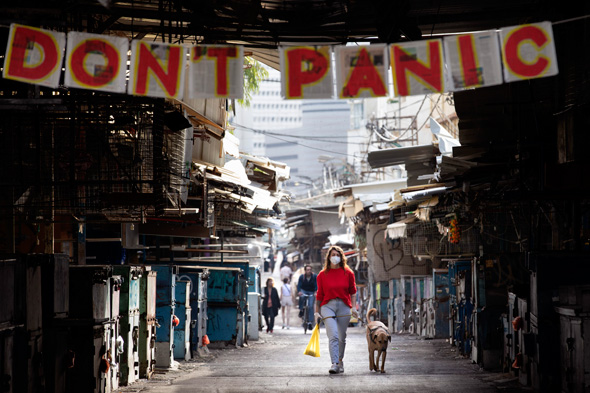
pixel 270 304
pixel 307 285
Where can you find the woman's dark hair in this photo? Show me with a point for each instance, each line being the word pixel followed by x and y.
pixel 272 281
pixel 342 264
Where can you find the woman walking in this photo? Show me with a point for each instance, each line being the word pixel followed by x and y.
pixel 335 305
pixel 270 304
pixel 286 302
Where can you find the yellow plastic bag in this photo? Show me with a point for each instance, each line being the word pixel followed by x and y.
pixel 313 348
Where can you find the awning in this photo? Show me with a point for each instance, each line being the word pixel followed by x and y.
pixel 294 223
pixel 198 119
pixel 446 142
pixel 270 57
pixel 396 230
pixel 401 155
pixel 296 218
pixel 345 238
pixel 424 193
pixel 350 208
pixel 425 208
pixel 281 169
pixel 231 145
pixel 254 198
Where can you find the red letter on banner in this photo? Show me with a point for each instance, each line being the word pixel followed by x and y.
pixel 304 67
pixel 364 76
pixel 512 51
pixel 221 56
pixel 17 64
pixel 109 71
pixel 147 63
pixel 468 60
pixel 404 62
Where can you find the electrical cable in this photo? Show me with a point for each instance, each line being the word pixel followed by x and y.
pixel 298 143
pixel 417 129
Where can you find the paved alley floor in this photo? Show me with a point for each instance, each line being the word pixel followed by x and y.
pixel 276 363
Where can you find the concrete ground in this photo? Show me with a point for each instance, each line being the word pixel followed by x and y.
pixel 276 363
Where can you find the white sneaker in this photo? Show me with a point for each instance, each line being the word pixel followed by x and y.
pixel 341 366
pixel 334 369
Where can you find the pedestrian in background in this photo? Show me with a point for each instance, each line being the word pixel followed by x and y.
pixel 270 304
pixel 286 302
pixel 286 271
pixel 307 285
pixel 279 258
pixel 335 305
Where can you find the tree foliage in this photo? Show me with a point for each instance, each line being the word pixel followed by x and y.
pixel 254 73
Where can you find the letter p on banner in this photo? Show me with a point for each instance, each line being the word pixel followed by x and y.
pixel 34 55
pixel 307 72
pixel 528 51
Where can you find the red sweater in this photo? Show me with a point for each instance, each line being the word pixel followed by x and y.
pixel 336 283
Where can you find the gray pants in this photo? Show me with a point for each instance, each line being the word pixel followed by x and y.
pixel 336 327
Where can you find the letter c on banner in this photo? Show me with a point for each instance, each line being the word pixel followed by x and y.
pixel 103 76
pixel 304 67
pixel 513 60
pixel 19 63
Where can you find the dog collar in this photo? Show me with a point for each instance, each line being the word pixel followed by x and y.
pixel 371 331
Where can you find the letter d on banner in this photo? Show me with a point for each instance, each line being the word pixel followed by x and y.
pixel 34 55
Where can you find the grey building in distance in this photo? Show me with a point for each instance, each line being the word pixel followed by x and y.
pixel 308 149
pixel 308 135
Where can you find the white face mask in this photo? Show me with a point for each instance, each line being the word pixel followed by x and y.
pixel 335 259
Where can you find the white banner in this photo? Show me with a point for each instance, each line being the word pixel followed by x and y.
pixel 473 60
pixel 307 72
pixel 216 71
pixel 417 67
pixel 361 71
pixel 34 55
pixel 96 62
pixel 528 51
pixel 157 69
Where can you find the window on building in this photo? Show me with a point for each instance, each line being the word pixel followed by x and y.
pixel 356 115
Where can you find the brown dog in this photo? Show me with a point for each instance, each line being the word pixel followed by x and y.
pixel 378 338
